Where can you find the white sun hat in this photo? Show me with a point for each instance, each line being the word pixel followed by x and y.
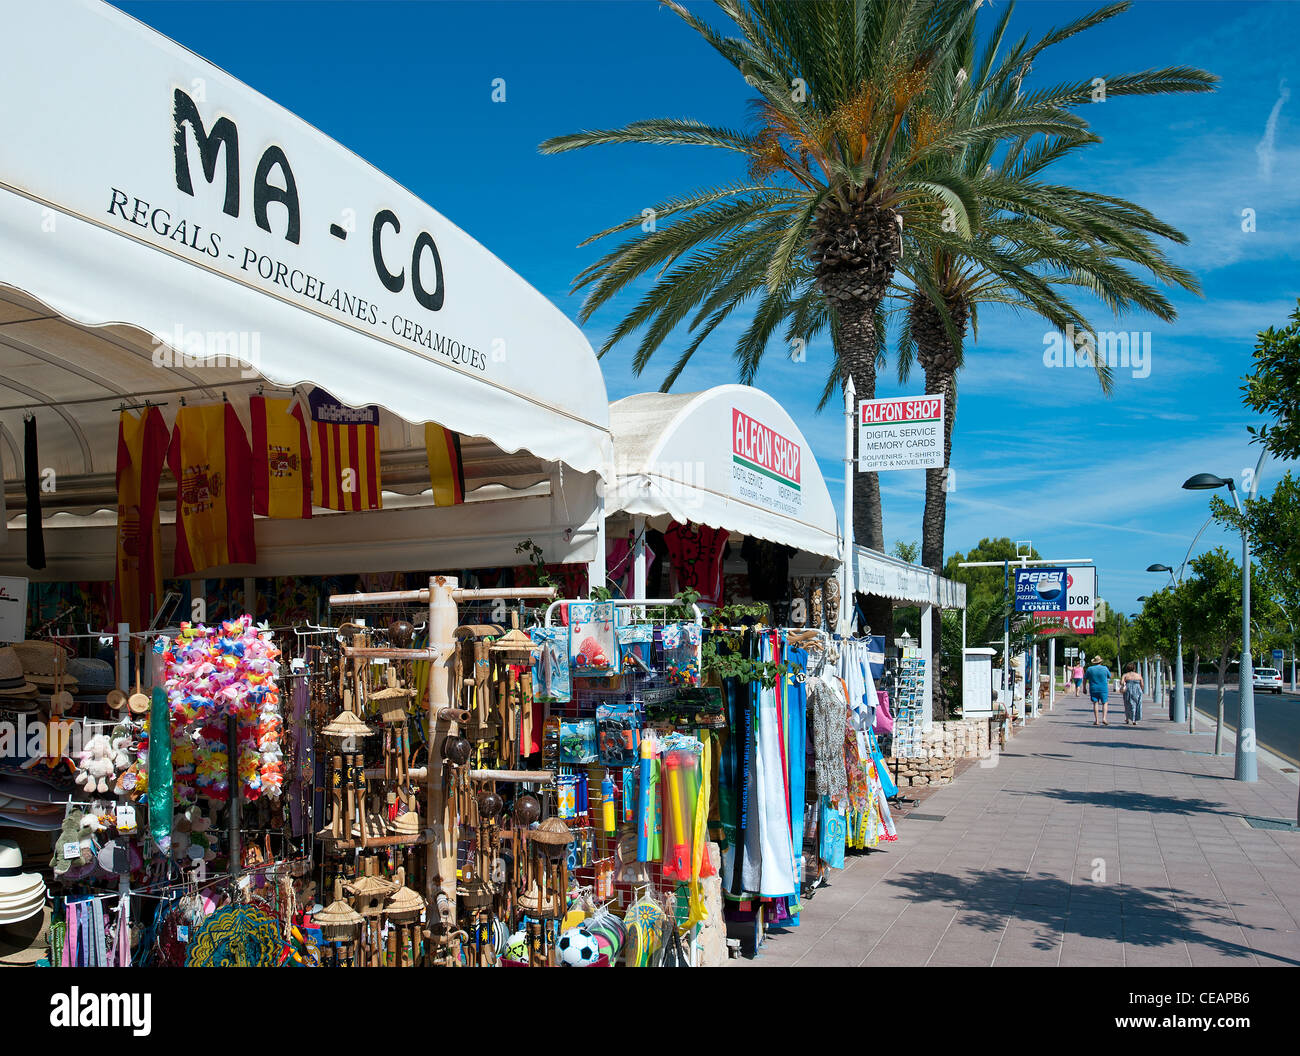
pixel 13 881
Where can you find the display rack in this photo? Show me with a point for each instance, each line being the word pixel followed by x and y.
pixel 909 704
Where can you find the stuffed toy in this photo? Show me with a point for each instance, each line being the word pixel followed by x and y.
pixel 99 763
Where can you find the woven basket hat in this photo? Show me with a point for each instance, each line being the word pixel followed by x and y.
pixel 45 663
pixel 13 680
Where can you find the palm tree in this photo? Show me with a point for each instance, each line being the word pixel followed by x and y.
pixel 838 167
pixel 1034 245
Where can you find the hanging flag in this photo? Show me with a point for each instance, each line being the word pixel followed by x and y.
pixel 32 487
pixel 281 458
pixel 141 451
pixel 213 466
pixel 344 454
pixel 446 472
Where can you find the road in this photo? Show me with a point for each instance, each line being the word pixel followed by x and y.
pixel 1277 718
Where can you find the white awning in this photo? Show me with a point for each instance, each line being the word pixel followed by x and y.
pixel 888 577
pixel 729 457
pixel 145 192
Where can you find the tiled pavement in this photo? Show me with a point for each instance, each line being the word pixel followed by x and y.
pixel 1115 845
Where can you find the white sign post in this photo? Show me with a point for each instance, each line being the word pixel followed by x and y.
pixel 902 432
pixel 13 609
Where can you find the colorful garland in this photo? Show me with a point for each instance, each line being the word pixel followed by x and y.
pixel 211 674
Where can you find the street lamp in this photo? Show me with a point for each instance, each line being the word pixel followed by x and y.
pixel 1179 702
pixel 1245 764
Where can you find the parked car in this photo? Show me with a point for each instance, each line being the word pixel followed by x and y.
pixel 1268 678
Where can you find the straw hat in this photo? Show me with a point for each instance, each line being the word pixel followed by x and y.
pixel 1096 660
pixel 346 724
pixel 25 942
pixel 45 663
pixel 13 680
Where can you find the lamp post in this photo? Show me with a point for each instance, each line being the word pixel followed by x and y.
pixel 1245 764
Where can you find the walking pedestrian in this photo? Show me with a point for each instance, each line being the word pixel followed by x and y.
pixel 1076 673
pixel 1132 686
pixel 1098 676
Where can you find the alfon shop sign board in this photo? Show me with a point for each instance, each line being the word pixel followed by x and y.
pixel 902 432
pixel 1058 598
pixel 765 466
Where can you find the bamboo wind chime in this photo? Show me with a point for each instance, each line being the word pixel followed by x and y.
pixel 442 782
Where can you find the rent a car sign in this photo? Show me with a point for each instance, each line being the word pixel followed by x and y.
pixel 903 432
pixel 765 466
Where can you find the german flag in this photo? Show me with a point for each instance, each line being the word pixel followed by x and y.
pixel 344 454
pixel 141 452
pixel 213 466
pixel 281 458
pixel 446 473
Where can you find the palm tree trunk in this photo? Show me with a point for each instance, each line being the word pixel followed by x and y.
pixel 856 343
pixel 855 246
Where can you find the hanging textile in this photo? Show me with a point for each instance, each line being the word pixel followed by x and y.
pixel 772 789
pixel 32 488
pixel 141 451
pixel 696 553
pixel 796 753
pixel 159 796
pixel 281 458
pixel 344 454
pixel 829 712
pixel 210 458
pixel 446 470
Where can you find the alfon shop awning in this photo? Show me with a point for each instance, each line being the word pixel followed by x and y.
pixel 888 577
pixel 729 457
pixel 168 234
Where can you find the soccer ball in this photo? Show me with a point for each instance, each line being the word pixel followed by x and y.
pixel 516 947
pixel 577 949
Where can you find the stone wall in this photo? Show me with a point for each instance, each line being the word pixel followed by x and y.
pixel 941 746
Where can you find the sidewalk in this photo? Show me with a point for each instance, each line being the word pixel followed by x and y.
pixel 1113 845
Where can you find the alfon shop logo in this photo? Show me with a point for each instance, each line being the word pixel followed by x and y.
pixel 90 1010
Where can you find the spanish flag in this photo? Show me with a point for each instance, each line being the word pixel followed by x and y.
pixel 213 466
pixel 141 451
pixel 446 473
pixel 344 454
pixel 281 459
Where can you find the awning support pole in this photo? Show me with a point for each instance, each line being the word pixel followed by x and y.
pixel 638 557
pixel 848 558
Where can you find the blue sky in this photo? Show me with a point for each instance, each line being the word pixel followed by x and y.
pixel 1039 453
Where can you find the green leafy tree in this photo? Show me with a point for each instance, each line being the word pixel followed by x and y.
pixel 906 551
pixel 1273 387
pixel 1215 618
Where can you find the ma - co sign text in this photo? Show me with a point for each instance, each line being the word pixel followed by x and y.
pixel 903 432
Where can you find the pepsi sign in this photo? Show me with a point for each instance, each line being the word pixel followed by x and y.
pixel 1041 589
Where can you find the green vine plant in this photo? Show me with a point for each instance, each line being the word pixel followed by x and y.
pixel 720 654
pixel 536 558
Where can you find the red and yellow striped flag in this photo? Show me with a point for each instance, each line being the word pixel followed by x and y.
pixel 281 458
pixel 213 466
pixel 141 451
pixel 344 454
pixel 446 473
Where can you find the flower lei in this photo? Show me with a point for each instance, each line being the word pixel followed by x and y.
pixel 212 673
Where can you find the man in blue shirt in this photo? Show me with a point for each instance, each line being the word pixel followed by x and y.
pixel 1098 678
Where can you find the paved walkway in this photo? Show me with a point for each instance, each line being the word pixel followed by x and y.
pixel 1115 845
